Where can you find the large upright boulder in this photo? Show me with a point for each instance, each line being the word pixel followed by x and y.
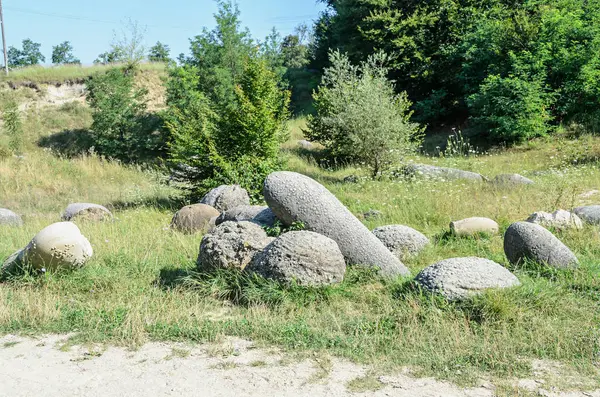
pixel 86 211
pixel 403 241
pixel 261 215
pixel 589 214
pixel 308 258
pixel 295 197
pixel 524 240
pixel 461 278
pixel 7 217
pixel 441 173
pixel 194 218
pixel 226 197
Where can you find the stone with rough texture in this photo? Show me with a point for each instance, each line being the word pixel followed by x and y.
pixel 559 219
pixel 295 197
pixel 511 179
pixel 7 217
pixel 403 241
pixel 461 278
pixel 86 211
pixel 194 218
pixel 435 172
pixel 473 226
pixel 261 215
pixel 232 245
pixel 589 214
pixel 58 246
pixel 524 240
pixel 226 197
pixel 308 258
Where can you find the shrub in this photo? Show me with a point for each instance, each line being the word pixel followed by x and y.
pixel 359 117
pixel 13 127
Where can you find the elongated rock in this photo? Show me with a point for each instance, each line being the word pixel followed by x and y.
pixel 589 214
pixel 441 173
pixel 86 211
pixel 295 197
pixel 473 226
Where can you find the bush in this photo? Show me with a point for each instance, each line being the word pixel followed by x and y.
pixel 359 117
pixel 13 127
pixel 510 109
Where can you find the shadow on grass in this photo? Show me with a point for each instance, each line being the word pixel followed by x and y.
pixel 170 203
pixel 69 143
pixel 171 278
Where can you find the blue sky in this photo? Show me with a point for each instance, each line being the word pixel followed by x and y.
pixel 89 24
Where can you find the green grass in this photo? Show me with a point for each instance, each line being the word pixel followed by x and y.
pixel 141 284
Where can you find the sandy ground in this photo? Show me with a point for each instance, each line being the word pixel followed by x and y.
pixel 44 367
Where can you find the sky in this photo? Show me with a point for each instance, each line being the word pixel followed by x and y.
pixel 90 24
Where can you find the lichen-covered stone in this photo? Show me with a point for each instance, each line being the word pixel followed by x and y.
pixel 226 197
pixel 403 241
pixel 559 219
pixel 441 173
pixel 511 179
pixel 86 211
pixel 194 218
pixel 590 214
pixel 261 215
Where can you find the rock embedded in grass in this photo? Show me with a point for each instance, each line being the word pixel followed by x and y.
pixel 437 173
pixel 231 245
pixel 403 241
pixel 86 211
pixel 226 197
pixel 307 258
pixel 589 214
pixel 261 215
pixel 194 218
pixel 529 241
pixel 511 180
pixel 295 197
pixel 461 278
pixel 473 226
pixel 9 218
pixel 559 219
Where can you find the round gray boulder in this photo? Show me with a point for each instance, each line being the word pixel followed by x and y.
pixel 308 258
pixel 524 240
pixel 589 214
pixel 231 245
pixel 473 226
pixel 295 197
pixel 261 215
pixel 194 218
pixel 461 278
pixel 7 217
pixel 511 179
pixel 226 197
pixel 86 211
pixel 559 219
pixel 441 173
pixel 403 241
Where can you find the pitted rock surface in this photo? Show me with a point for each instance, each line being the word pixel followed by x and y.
pixel 86 211
pixel 403 241
pixel 226 197
pixel 7 217
pixel 524 240
pixel 461 278
pixel 194 218
pixel 473 226
pixel 589 214
pixel 261 215
pixel 231 245
pixel 308 258
pixel 560 219
pixel 295 197
pixel 511 179
pixel 437 173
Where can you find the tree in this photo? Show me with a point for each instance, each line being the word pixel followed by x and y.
pixel 159 52
pixel 63 54
pixel 30 55
pixel 295 48
pixel 113 56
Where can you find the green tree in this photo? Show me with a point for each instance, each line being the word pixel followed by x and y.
pixel 159 52
pixel 28 56
pixel 63 54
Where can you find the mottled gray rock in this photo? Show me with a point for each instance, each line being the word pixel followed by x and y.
pixel 372 214
pixel 434 172
pixel 511 179
pixel 295 197
pixel 231 245
pixel 226 197
pixel 86 211
pixel 461 278
pixel 524 240
pixel 304 144
pixel 589 214
pixel 559 219
pixel 351 179
pixel 473 226
pixel 7 217
pixel 308 258
pixel 58 246
pixel 12 266
pixel 194 218
pixel 403 241
pixel 258 214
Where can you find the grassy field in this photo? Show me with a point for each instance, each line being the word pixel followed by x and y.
pixel 140 285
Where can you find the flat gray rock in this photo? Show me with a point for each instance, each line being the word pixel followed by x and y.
pixel 559 219
pixel 194 218
pixel 461 278
pixel 308 258
pixel 511 179
pixel 295 197
pixel 86 211
pixel 589 214
pixel 231 245
pixel 226 197
pixel 7 217
pixel 403 241
pixel 441 173
pixel 524 240
pixel 261 215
